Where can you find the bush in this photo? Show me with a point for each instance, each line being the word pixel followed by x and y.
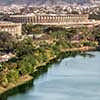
pixel 6 42
pixel 24 47
pixel 89 43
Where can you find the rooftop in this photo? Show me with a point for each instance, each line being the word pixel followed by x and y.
pixel 7 23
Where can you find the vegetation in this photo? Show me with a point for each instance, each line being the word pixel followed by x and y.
pixel 31 53
pixel 32 29
pixel 6 42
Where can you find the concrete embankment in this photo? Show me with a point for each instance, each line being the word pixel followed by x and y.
pixel 86 48
pixel 12 88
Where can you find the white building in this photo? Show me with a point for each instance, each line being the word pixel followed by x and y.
pixel 12 28
pixel 49 18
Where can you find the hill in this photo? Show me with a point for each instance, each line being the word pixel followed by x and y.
pixel 40 2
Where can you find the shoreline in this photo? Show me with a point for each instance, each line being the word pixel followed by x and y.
pixel 23 80
pixel 85 48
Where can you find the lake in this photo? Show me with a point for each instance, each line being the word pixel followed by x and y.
pixel 73 78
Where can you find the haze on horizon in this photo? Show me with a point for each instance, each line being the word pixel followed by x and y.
pixel 41 2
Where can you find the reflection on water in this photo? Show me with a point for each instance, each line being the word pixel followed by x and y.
pixel 75 78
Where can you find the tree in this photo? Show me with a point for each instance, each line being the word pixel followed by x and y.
pixel 27 29
pixel 32 29
pixel 13 75
pixel 6 42
pixel 24 47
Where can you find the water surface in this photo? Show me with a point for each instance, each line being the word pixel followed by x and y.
pixel 72 79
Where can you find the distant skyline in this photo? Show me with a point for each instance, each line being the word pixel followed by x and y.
pixel 41 2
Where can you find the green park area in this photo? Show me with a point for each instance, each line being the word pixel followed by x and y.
pixel 37 46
